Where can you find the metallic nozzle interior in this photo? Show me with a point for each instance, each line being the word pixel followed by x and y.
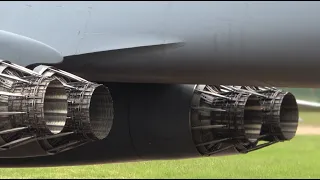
pixel 252 118
pixel 232 119
pixel 289 117
pixel 224 120
pixel 55 106
pixel 43 102
pixel 57 109
pixel 100 110
pixel 89 115
pixel 281 116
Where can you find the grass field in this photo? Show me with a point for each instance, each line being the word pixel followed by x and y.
pixel 298 158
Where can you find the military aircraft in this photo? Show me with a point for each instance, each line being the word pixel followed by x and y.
pixel 100 82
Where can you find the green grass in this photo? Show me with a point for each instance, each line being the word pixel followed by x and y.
pixel 298 158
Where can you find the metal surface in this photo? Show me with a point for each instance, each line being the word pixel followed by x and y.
pixel 246 116
pixel 205 42
pixel 24 50
pixel 237 127
pixel 41 115
pixel 90 110
pixel 48 102
pixel 32 106
pixel 160 121
pixel 281 115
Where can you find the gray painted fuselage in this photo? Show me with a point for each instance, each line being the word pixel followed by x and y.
pixel 240 43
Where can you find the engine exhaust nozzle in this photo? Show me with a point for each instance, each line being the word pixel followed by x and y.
pixel 224 122
pixel 45 104
pixel 32 106
pixel 90 111
pixel 281 116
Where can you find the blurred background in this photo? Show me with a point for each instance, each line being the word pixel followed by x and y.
pixel 310 94
pixel 298 158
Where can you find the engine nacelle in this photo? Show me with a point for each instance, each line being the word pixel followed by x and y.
pixel 44 114
pixel 165 121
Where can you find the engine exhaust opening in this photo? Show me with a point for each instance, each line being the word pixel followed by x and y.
pixel 252 118
pixel 89 115
pixel 289 117
pixel 222 118
pixel 100 111
pixel 281 116
pixel 55 106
